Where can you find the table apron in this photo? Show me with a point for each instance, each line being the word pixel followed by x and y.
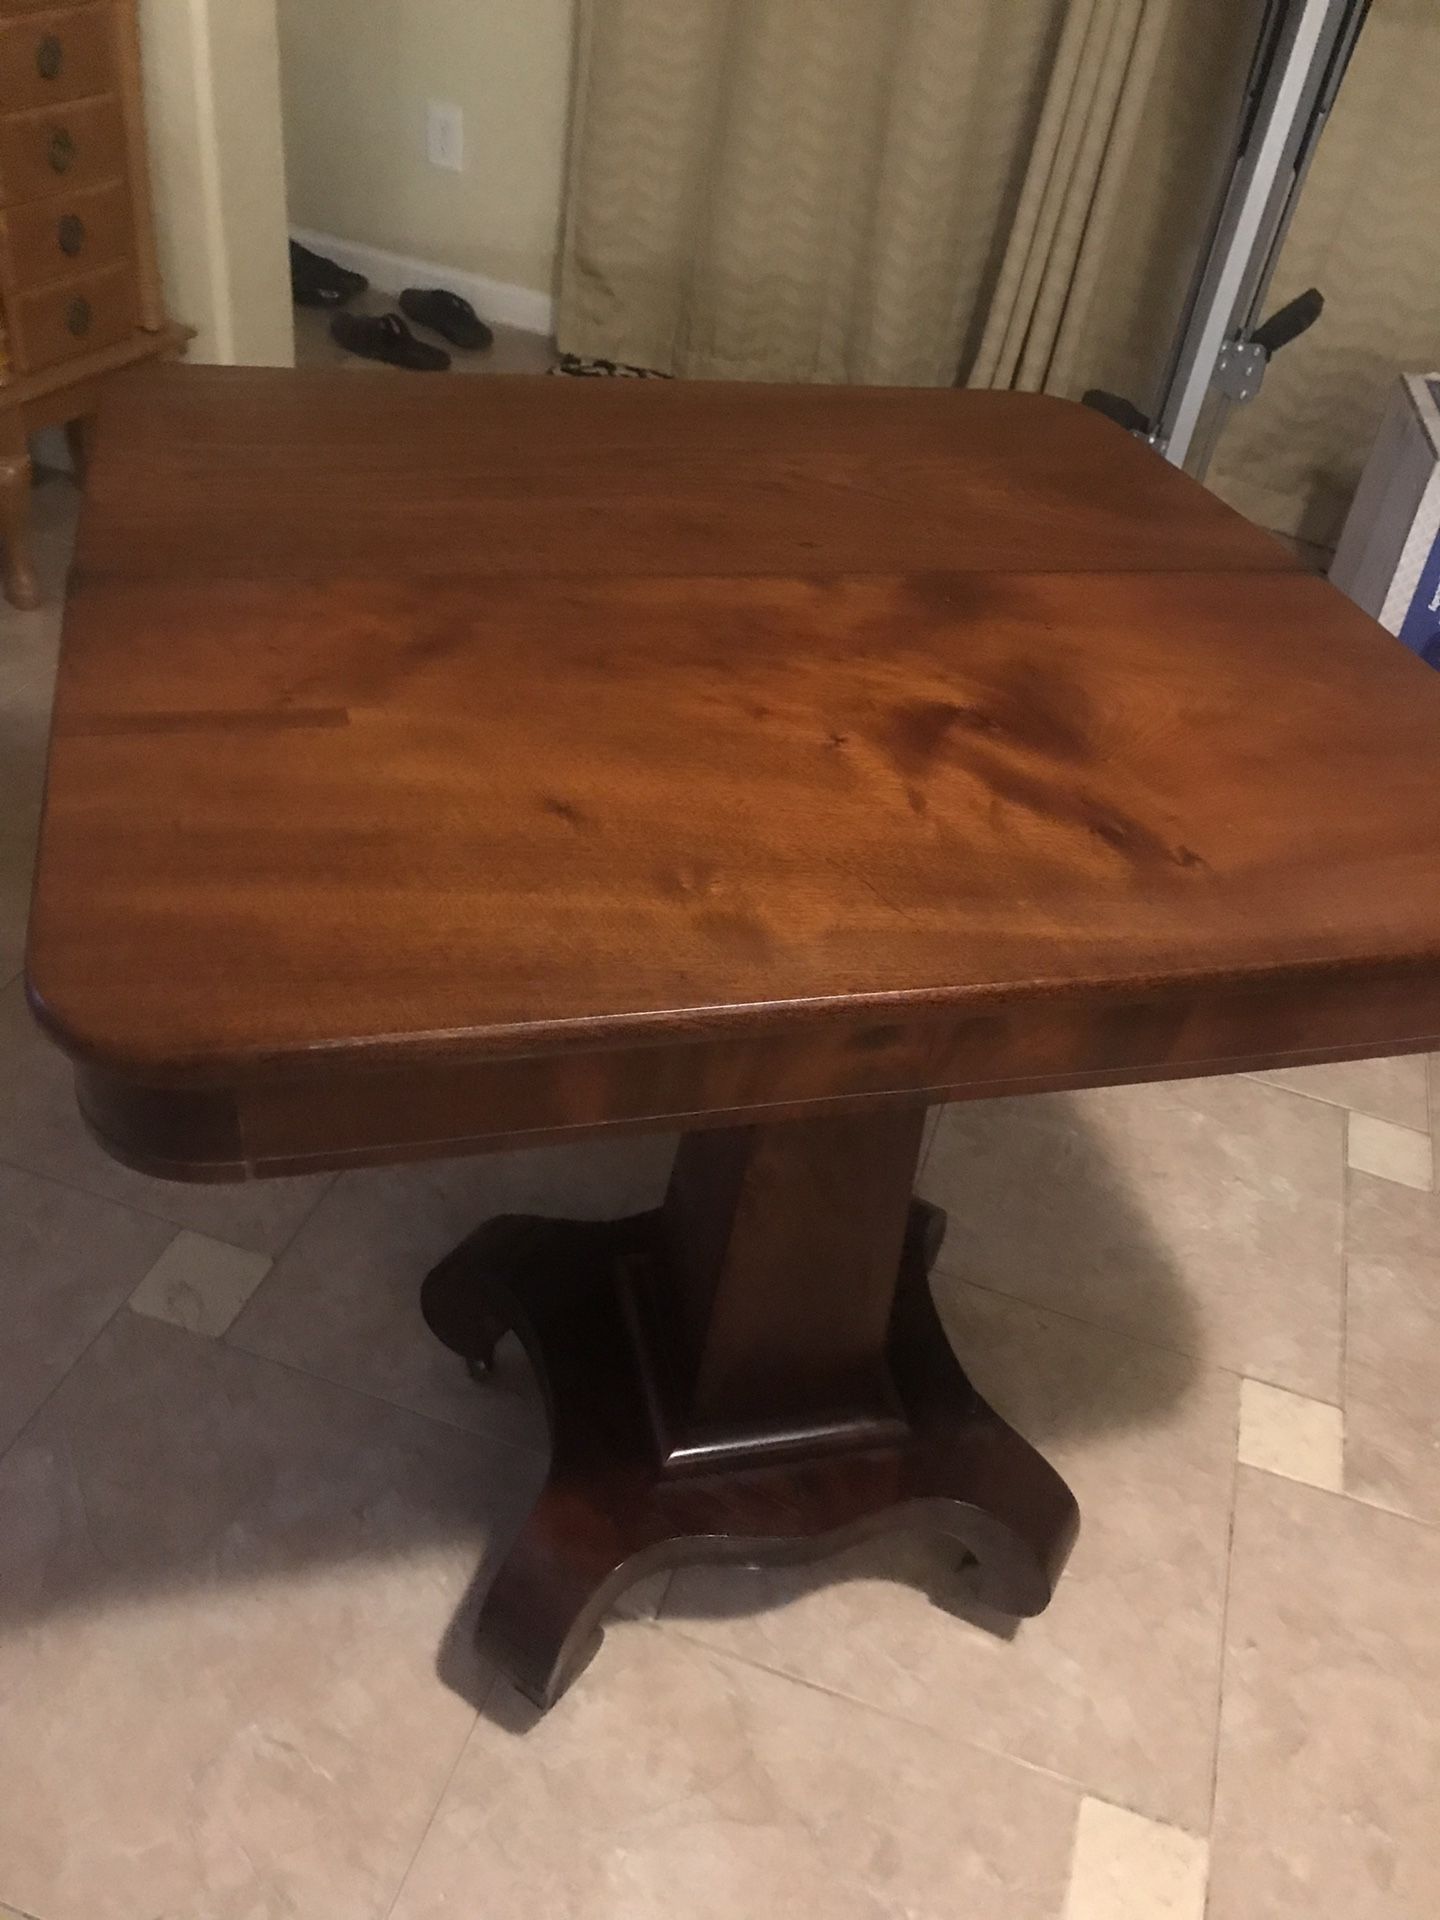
pixel 315 1115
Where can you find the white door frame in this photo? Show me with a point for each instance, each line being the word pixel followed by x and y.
pixel 212 104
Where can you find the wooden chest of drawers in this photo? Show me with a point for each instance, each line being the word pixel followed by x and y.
pixel 79 290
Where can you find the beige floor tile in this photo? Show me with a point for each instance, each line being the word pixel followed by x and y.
pixel 1128 1868
pixel 1116 1685
pixel 1389 1152
pixel 67 1262
pixel 1392 1405
pixel 199 1283
pixel 927 1139
pixel 676 1785
pixel 40 1129
pixel 1285 1433
pixel 29 639
pixel 1203 1215
pixel 24 742
pixel 1391 1089
pixel 343 1302
pixel 1330 1733
pixel 1392 1459
pixel 514 351
pixel 1392 1348
pixel 17 866
pixel 221 1598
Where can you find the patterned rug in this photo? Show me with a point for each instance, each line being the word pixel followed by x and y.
pixel 582 367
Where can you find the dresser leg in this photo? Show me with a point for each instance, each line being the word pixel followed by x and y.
pixel 22 588
pixel 756 1372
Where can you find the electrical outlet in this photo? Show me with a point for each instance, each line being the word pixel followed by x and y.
pixel 445 135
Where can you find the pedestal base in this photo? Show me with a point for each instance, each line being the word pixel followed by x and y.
pixel 644 1475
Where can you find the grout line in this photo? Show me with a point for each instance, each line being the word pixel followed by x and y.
pixel 461 1751
pixel 149 1213
pixel 478 1434
pixel 933 1121
pixel 1111 1332
pixel 1347 1499
pixel 1079 1787
pixel 279 1253
pixel 1346 1178
pixel 89 1345
pixel 1116 1333
pixel 1324 1099
pixel 1223 1641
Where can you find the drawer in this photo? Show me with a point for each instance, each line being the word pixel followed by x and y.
pixel 66 234
pixel 47 58
pixel 76 316
pixel 68 147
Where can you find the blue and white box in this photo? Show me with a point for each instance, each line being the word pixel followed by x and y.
pixel 1388 560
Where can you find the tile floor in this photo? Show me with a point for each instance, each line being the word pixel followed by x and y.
pixel 243 1498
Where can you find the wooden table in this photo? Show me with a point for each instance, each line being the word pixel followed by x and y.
pixel 440 766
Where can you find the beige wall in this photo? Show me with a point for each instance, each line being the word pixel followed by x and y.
pixel 356 79
pixel 217 164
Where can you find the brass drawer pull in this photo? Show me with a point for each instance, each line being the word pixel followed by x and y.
pixel 78 316
pixel 50 57
pixel 62 150
pixel 71 233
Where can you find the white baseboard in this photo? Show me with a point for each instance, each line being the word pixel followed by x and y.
pixel 492 299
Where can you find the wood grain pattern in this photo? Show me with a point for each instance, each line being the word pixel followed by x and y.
pixel 607 822
pixel 521 759
pixel 671 478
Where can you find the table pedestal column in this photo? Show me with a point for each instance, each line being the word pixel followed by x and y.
pixel 754 1372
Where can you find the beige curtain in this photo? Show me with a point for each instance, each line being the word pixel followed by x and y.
pixel 1125 170
pixel 903 191
pixel 796 189
pixel 1368 234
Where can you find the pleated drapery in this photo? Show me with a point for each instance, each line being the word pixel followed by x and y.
pixel 796 189
pixel 1003 192
pixel 910 191
pixel 1103 67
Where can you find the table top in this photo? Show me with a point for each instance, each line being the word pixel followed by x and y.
pixel 404 724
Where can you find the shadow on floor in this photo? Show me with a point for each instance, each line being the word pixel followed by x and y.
pixel 1056 1379
pixel 167 1461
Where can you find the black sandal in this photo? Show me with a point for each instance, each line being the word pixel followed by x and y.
pixel 387 339
pixel 318 282
pixel 448 315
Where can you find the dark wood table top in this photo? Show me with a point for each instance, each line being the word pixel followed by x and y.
pixel 540 754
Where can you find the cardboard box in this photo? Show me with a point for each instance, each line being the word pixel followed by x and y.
pixel 1388 560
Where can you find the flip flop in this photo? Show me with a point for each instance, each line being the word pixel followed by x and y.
pixel 318 282
pixel 448 315
pixel 387 339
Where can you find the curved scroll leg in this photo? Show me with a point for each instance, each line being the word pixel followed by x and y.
pixel 542 1616
pixel 464 1300
pixel 994 1494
